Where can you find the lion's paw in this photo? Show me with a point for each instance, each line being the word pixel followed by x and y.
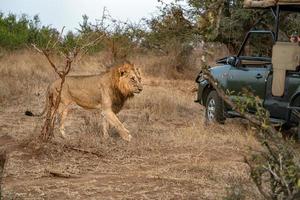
pixel 105 136
pixel 127 137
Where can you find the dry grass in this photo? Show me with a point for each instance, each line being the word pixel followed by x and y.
pixel 27 72
pixel 173 154
pixel 166 66
pixel 164 101
pixel 21 73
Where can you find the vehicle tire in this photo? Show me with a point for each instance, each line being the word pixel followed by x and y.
pixel 214 108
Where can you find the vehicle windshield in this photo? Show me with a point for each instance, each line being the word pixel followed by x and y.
pixel 258 45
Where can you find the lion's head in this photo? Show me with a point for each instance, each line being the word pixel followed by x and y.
pixel 129 80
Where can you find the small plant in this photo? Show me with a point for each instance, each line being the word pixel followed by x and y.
pixel 276 169
pixel 235 192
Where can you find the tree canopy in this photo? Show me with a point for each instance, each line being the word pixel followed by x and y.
pixel 180 24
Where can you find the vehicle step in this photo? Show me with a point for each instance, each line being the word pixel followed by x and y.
pixel 277 122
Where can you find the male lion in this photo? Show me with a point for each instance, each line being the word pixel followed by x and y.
pixel 106 92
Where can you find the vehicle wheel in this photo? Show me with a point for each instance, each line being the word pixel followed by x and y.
pixel 214 111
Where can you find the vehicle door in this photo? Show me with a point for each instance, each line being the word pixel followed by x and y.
pixel 249 77
pixel 252 70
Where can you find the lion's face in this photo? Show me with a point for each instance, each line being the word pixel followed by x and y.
pixel 130 80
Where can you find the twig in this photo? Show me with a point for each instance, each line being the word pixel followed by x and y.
pixel 61 32
pixel 92 43
pixel 37 49
pixel 45 52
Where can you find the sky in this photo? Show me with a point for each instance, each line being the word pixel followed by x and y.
pixel 68 13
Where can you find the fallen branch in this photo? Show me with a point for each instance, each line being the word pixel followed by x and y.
pixel 84 151
pixel 61 174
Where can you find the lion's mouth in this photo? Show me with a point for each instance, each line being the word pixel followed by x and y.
pixel 139 90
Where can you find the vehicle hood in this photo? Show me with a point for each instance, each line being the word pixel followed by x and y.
pixel 220 73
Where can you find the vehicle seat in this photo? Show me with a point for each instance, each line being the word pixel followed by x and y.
pixel 285 56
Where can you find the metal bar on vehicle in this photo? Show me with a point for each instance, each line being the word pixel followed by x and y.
pixel 255 31
pixel 273 12
pixel 277 19
pixel 294 108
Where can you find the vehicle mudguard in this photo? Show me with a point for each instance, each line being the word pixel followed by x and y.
pixel 202 86
pixel 295 97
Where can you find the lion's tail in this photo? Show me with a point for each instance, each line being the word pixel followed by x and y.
pixel 48 96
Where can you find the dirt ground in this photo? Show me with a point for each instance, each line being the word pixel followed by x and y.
pixel 173 154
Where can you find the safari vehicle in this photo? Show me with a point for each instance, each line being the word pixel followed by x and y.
pixel 270 71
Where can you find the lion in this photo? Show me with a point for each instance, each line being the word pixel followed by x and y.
pixel 106 92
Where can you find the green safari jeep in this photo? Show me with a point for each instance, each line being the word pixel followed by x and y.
pixel 271 71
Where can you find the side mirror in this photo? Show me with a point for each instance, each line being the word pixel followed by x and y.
pixel 231 61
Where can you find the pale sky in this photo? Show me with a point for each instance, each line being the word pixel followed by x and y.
pixel 59 13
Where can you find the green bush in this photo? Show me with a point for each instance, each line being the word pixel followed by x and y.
pixel 17 33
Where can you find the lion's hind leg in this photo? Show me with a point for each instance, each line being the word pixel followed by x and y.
pixel 63 112
pixel 105 128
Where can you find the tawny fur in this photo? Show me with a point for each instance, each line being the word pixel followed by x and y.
pixel 107 92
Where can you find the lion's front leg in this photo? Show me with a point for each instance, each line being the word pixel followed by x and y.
pixel 112 119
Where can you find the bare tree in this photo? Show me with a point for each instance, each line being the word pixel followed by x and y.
pixel 69 56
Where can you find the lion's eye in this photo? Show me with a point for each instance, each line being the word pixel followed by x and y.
pixel 132 78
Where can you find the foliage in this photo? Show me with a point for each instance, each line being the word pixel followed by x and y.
pixel 175 26
pixel 120 38
pixel 278 169
pixel 168 27
pixel 16 33
pixel 172 33
pixel 277 166
pixel 226 21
